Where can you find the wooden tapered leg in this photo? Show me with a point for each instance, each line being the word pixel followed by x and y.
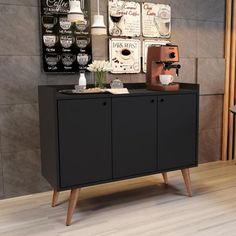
pixel 55 198
pixel 72 203
pixel 187 181
pixel 165 177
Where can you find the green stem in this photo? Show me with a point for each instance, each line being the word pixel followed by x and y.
pixel 100 75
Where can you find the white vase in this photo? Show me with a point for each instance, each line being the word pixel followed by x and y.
pixel 82 81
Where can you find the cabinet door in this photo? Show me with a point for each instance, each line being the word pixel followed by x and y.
pixel 133 135
pixel 84 141
pixel 177 131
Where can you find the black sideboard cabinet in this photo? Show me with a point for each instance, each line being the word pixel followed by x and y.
pixel 88 139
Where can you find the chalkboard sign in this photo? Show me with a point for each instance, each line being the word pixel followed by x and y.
pixel 66 46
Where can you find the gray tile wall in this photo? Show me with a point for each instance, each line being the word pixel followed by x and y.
pixel 211 112
pixel 21 173
pixel 209 145
pixel 198 29
pixel 210 74
pixel 19 127
pixel 23 37
pixel 1 178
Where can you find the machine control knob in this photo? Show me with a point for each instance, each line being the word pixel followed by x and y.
pixel 172 55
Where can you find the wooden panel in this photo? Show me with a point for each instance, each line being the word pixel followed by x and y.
pixel 227 80
pixel 232 67
pixel 231 92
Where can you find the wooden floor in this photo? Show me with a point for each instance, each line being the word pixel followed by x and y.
pixel 142 206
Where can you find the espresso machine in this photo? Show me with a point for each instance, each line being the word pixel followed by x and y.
pixel 161 60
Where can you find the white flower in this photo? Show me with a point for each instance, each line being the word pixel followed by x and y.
pixel 91 68
pixel 100 65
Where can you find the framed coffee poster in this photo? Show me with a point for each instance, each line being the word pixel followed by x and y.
pixel 156 20
pixel 146 44
pixel 66 46
pixel 125 55
pixel 124 18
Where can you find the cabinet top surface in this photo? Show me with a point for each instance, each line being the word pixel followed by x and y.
pixel 134 90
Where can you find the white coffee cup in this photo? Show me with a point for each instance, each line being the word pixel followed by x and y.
pixel 49 40
pixel 66 41
pixel 82 42
pixel 49 21
pixel 65 24
pixel 83 59
pixel 166 79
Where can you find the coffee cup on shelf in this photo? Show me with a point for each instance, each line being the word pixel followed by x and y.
pixel 166 79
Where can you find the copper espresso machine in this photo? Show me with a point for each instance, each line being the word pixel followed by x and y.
pixel 160 60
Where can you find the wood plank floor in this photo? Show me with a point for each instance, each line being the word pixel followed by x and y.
pixel 142 206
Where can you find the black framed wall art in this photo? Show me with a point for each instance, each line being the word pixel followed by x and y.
pixel 66 46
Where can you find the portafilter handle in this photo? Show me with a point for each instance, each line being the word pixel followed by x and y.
pixel 169 66
pixel 177 70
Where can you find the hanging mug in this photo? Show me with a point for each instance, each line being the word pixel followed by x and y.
pixel 83 59
pixel 65 24
pixel 52 59
pixel 49 40
pixel 68 59
pixel 82 42
pixel 66 41
pixel 49 22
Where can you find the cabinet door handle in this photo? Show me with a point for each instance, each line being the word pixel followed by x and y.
pixel 162 100
pixel 152 100
pixel 104 103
